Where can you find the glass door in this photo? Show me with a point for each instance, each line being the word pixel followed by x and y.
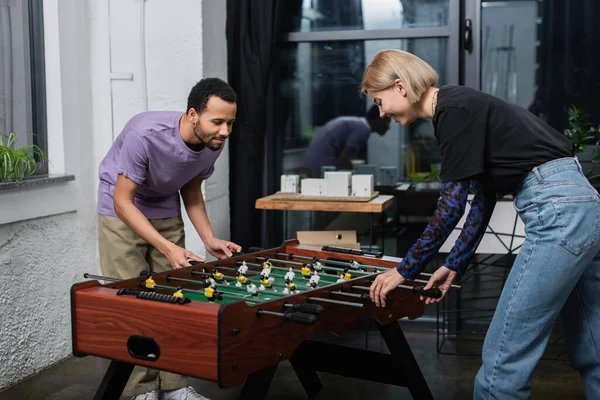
pixel 501 40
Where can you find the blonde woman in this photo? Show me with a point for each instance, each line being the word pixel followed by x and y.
pixel 497 148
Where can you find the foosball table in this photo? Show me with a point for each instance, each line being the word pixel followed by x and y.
pixel 232 321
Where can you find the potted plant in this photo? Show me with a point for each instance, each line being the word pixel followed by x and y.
pixel 426 180
pixel 17 164
pixel 584 134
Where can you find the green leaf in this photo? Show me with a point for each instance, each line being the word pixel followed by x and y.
pixel 17 164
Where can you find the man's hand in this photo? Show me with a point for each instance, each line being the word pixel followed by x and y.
pixel 221 248
pixel 384 284
pixel 178 256
pixel 442 279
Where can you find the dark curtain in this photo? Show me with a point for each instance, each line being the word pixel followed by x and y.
pixel 254 30
pixel 568 60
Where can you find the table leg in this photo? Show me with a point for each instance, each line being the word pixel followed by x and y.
pixel 114 381
pixel 371 233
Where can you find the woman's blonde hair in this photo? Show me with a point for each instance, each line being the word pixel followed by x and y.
pixel 389 65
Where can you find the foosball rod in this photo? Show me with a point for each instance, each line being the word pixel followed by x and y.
pixel 332 262
pixel 295 306
pixel 217 293
pixel 254 265
pixel 194 281
pixel 253 273
pixel 346 264
pixel 164 287
pixel 307 308
pixel 302 317
pixel 340 302
pixel 325 267
pixel 433 292
pixel 354 271
pixel 101 278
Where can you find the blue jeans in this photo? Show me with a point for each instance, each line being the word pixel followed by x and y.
pixel 557 271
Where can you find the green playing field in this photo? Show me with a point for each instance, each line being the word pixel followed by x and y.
pixel 233 293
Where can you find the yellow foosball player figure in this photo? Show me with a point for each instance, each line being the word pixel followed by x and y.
pixel 241 279
pixel 266 284
pixel 150 282
pixel 179 293
pixel 290 287
pixel 218 277
pixel 209 291
pixel 305 270
pixel 347 275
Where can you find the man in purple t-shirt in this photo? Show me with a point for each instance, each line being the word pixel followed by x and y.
pixel 343 139
pixel 156 157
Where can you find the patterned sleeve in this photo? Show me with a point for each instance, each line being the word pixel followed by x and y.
pixel 449 211
pixel 475 225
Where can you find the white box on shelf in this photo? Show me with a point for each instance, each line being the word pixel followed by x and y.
pixel 338 183
pixel 313 187
pixel 362 185
pixel 290 183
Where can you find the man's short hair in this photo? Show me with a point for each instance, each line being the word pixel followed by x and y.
pixel 205 89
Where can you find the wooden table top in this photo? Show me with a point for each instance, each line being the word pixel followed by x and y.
pixel 377 205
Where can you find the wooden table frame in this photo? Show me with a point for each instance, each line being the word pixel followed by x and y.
pixel 399 368
pixel 377 205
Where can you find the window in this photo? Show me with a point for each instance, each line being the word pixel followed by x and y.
pixel 323 61
pixel 22 87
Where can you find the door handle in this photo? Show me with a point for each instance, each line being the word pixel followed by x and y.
pixel 468 36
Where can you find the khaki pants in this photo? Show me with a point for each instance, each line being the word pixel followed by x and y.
pixel 123 254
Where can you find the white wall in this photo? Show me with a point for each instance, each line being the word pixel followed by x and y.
pixel 48 244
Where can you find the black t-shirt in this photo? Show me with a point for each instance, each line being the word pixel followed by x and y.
pixel 479 134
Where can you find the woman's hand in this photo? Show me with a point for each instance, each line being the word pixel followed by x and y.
pixel 384 284
pixel 441 279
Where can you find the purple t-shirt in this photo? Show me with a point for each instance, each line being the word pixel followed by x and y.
pixel 331 138
pixel 150 151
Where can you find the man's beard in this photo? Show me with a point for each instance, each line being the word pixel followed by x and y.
pixel 206 139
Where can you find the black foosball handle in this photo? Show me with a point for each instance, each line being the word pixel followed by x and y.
pixel 433 292
pixel 153 296
pixel 314 309
pixel 300 318
pixel 255 249
pixel 356 252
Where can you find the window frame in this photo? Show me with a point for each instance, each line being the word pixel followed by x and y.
pixel 38 79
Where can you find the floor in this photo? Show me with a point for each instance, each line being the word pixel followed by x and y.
pixel 448 376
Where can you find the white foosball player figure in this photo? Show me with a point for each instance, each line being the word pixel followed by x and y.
pixel 265 273
pixel 317 266
pixel 290 275
pixel 251 288
pixel 354 265
pixel 341 279
pixel 243 269
pixel 240 275
pixel 314 280
pixel 213 283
